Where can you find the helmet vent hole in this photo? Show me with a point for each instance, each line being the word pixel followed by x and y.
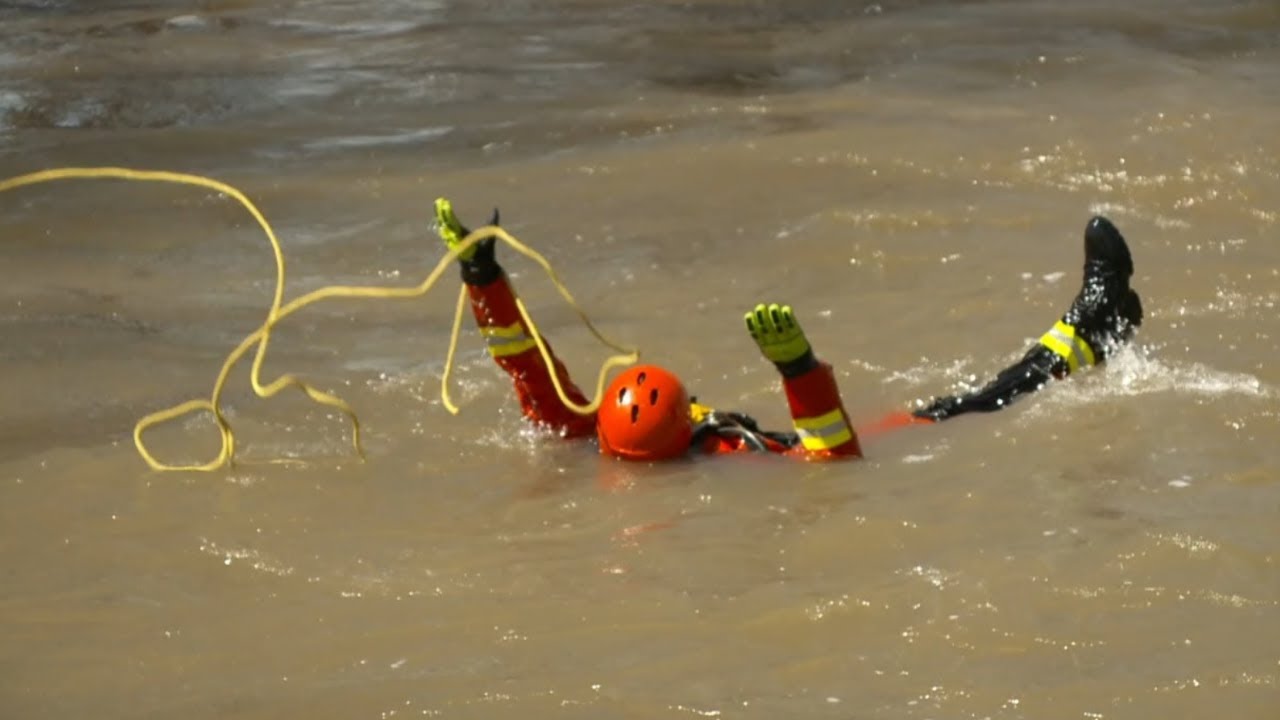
pixel 624 396
pixel 640 378
pixel 653 396
pixel 635 413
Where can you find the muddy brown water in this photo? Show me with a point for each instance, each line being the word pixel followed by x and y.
pixel 913 177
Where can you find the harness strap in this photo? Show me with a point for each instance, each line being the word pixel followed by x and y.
pixel 708 421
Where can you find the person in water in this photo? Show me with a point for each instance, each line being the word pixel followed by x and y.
pixel 646 414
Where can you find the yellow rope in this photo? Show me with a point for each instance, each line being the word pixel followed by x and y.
pixel 453 346
pixel 279 311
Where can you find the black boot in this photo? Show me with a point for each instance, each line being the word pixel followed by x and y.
pixel 1106 310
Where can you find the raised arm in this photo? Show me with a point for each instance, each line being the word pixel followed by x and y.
pixel 511 344
pixel 812 394
pixel 1102 317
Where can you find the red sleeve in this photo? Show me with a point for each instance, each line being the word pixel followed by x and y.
pixel 819 416
pixel 512 346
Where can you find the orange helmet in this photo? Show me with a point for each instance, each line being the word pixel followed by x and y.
pixel 644 415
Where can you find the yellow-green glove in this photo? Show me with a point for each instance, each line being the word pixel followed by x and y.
pixel 478 262
pixel 775 330
pixel 450 229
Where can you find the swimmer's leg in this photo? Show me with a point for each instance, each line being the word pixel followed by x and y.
pixel 1102 317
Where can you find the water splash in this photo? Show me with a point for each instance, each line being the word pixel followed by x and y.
pixel 256 560
pixel 1134 372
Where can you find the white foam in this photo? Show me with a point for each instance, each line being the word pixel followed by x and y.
pixel 1163 222
pixel 365 141
pixel 1230 303
pixel 10 102
pixel 369 28
pixel 1133 372
pixel 187 22
pixel 375 19
pixel 916 459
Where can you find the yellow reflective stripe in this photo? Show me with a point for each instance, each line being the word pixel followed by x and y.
pixel 1085 352
pixel 508 340
pixel 821 422
pixel 1063 341
pixel 514 348
pixel 825 431
pixel 514 330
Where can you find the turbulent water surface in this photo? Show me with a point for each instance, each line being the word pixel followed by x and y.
pixel 912 176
